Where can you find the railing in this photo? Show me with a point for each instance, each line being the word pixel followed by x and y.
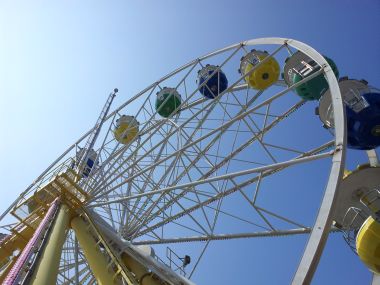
pixel 352 221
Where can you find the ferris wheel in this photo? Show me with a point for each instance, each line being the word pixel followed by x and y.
pixel 226 147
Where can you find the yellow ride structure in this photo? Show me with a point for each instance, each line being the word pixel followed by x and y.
pixel 108 257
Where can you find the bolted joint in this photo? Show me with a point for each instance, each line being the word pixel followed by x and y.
pixel 338 148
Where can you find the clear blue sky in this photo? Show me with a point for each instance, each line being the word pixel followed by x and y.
pixel 59 60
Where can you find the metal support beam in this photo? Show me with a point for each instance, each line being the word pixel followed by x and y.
pixel 220 177
pixel 140 259
pixel 76 254
pixel 142 274
pixel 226 236
pixel 6 270
pixel 319 234
pixel 375 279
pixel 372 157
pixel 46 270
pixel 95 258
pixel 16 242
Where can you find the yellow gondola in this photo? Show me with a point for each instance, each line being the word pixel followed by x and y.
pixel 264 75
pixel 127 128
pixel 368 244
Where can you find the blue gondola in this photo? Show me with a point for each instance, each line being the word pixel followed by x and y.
pixel 215 84
pixel 362 113
pixel 91 157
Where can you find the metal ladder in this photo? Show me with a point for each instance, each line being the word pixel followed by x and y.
pixel 115 264
pixel 95 133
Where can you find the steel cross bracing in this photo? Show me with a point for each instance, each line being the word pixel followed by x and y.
pixel 73 260
pixel 248 142
pixel 190 96
pixel 220 195
pixel 223 127
pixel 235 84
pixel 180 172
